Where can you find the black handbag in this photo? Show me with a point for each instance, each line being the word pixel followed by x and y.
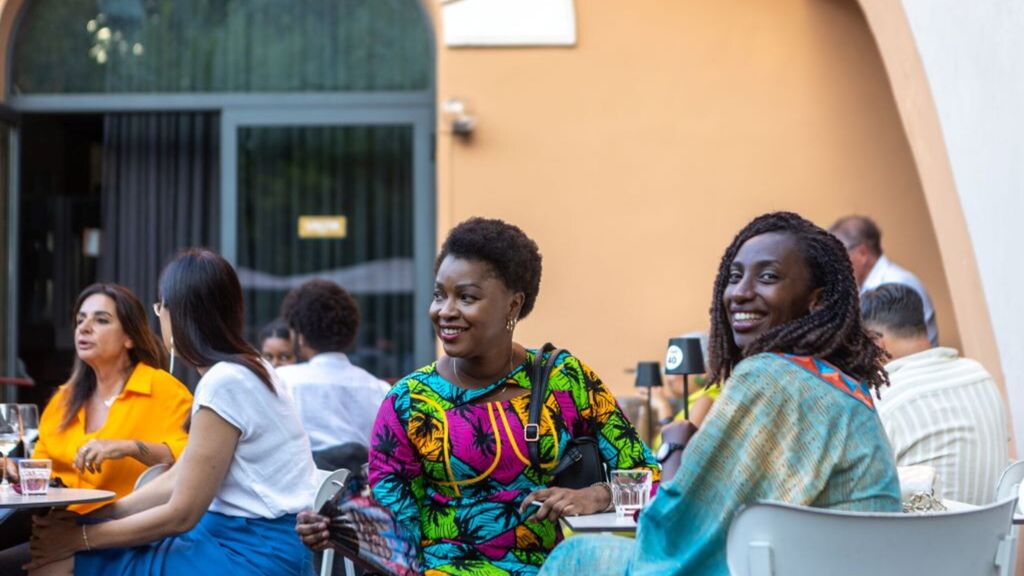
pixel 581 465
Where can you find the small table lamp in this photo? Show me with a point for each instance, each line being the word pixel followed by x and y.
pixel 684 357
pixel 648 375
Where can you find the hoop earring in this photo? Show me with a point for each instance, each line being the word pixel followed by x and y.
pixel 510 325
pixel 171 368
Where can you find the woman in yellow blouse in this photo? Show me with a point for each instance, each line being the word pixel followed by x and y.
pixel 120 412
pixel 117 415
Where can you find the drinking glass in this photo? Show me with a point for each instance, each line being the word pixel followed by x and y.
pixel 10 435
pixel 35 475
pixel 29 426
pixel 631 490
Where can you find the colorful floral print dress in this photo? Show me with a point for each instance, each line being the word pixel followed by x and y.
pixel 454 472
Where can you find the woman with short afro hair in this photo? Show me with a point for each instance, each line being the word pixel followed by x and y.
pixel 448 453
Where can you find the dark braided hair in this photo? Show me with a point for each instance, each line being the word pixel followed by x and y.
pixel 833 332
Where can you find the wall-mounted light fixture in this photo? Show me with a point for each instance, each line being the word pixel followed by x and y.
pixel 461 121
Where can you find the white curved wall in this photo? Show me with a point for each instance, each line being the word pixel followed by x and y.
pixel 973 54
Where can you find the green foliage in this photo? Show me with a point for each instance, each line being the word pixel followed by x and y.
pixel 82 46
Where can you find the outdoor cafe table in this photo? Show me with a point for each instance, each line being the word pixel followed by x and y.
pixel 609 522
pixel 954 506
pixel 54 498
pixel 603 522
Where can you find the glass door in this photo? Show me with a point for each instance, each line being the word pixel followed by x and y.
pixel 336 194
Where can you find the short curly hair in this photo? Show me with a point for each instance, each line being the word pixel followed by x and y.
pixel 511 254
pixel 324 313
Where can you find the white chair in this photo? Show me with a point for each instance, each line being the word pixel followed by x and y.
pixel 771 539
pixel 149 474
pixel 330 483
pixel 1009 487
pixel 1010 481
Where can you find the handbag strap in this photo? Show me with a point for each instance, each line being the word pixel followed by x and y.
pixel 538 390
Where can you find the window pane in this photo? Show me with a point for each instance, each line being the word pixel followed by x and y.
pixel 361 173
pixel 88 46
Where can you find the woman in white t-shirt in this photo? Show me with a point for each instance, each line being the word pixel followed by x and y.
pixel 228 506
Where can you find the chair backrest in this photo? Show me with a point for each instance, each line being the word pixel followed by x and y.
pixel 329 484
pixel 770 539
pixel 350 456
pixel 149 474
pixel 1010 480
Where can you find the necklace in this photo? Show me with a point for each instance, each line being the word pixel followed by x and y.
pixel 110 401
pixel 455 369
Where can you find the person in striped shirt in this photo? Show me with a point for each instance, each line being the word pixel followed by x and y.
pixel 942 410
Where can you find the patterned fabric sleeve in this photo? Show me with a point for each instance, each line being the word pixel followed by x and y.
pixel 768 436
pixel 396 476
pixel 620 443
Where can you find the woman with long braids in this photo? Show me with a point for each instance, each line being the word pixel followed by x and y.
pixel 795 421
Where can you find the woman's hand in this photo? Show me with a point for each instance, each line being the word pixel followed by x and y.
pixel 659 402
pixel 12 470
pixel 312 529
pixel 680 433
pixel 558 502
pixel 92 454
pixel 55 536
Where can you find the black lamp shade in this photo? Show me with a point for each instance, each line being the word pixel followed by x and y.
pixel 648 375
pixel 684 356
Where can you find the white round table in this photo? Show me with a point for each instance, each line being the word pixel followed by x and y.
pixel 54 498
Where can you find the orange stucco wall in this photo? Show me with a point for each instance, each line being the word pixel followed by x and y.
pixel 634 157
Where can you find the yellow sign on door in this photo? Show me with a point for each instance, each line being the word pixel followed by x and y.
pixel 323 226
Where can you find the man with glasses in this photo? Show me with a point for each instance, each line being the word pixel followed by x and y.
pixel 872 268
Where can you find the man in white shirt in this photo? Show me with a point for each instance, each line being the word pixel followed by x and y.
pixel 872 268
pixel 337 401
pixel 942 410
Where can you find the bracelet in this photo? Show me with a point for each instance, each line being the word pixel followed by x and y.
pixel 611 496
pixel 666 421
pixel 85 538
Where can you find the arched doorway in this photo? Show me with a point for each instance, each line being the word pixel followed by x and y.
pixel 149 125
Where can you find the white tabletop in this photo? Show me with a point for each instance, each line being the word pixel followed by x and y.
pixel 55 498
pixel 604 522
pixel 954 506
pixel 957 506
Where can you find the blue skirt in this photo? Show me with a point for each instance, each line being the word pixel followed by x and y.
pixel 218 545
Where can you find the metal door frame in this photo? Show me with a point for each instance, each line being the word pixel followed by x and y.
pixel 10 120
pixel 417 115
pixel 245 110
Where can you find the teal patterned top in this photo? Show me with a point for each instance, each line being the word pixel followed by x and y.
pixel 788 429
pixel 785 428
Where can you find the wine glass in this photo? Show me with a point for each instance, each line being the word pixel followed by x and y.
pixel 29 426
pixel 10 435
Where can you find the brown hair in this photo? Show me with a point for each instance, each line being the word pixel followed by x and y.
pixel 132 316
pixel 204 298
